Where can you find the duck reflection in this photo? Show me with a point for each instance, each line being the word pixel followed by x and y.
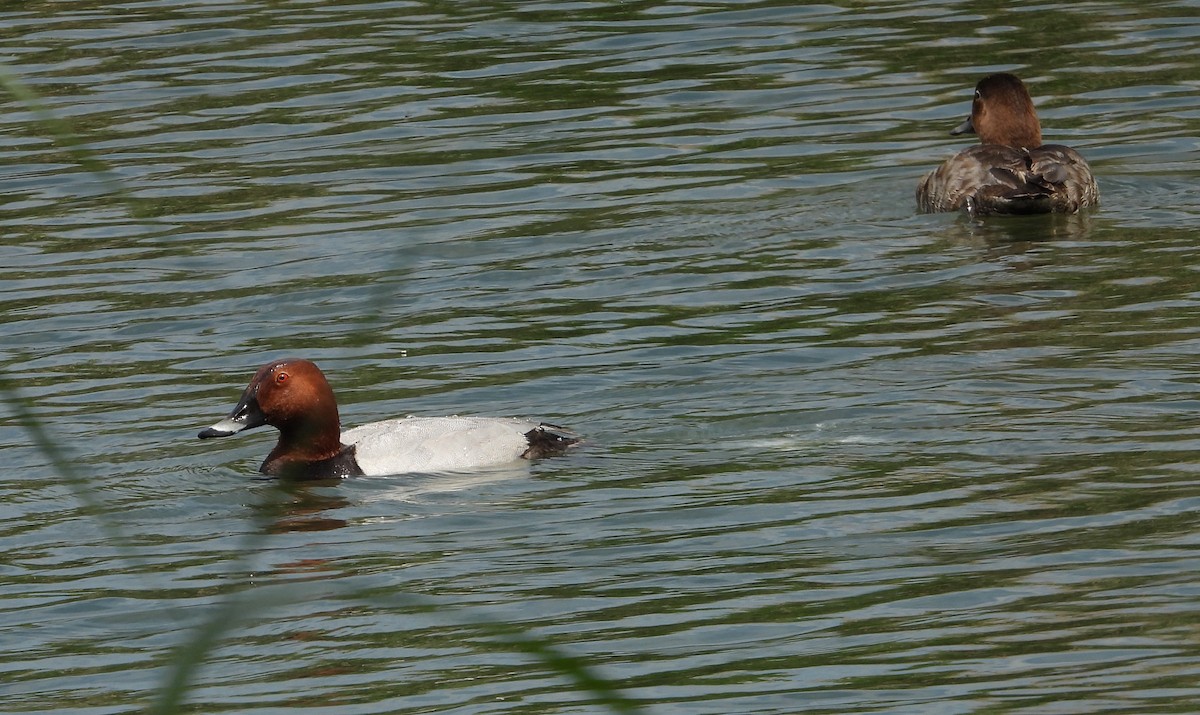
pixel 303 507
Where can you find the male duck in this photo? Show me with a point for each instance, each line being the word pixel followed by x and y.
pixel 294 397
pixel 1010 171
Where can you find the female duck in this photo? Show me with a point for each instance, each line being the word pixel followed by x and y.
pixel 294 397
pixel 1010 171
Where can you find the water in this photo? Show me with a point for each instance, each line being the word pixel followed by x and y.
pixel 842 457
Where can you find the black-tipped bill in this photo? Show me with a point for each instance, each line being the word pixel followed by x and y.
pixel 965 128
pixel 246 415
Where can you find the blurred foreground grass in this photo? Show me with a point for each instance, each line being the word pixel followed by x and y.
pixel 247 602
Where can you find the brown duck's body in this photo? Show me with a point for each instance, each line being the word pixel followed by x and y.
pixel 1011 171
pixel 994 179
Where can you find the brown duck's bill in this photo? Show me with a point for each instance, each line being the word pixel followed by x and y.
pixel 965 128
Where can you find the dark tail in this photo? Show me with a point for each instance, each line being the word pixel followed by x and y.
pixel 547 440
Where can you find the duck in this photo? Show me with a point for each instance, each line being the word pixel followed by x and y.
pixel 294 396
pixel 1010 171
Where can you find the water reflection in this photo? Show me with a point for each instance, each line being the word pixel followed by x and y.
pixel 1018 233
pixel 305 506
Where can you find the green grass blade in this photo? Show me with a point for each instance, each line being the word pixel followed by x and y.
pixel 60 130
pixel 75 480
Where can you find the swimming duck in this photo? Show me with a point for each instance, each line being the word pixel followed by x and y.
pixel 1010 171
pixel 293 396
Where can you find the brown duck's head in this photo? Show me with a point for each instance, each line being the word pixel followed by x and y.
pixel 1002 113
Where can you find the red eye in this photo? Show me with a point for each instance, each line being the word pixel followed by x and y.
pixel 281 378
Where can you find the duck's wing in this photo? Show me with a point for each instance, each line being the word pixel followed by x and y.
pixel 1069 173
pixel 436 444
pixel 954 184
pixel 1049 178
pixel 994 179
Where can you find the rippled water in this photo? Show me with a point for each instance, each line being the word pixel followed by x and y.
pixel 842 457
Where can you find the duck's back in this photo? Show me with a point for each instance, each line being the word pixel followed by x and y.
pixel 997 179
pixel 441 444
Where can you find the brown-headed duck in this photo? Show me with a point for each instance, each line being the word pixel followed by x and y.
pixel 294 397
pixel 1010 171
